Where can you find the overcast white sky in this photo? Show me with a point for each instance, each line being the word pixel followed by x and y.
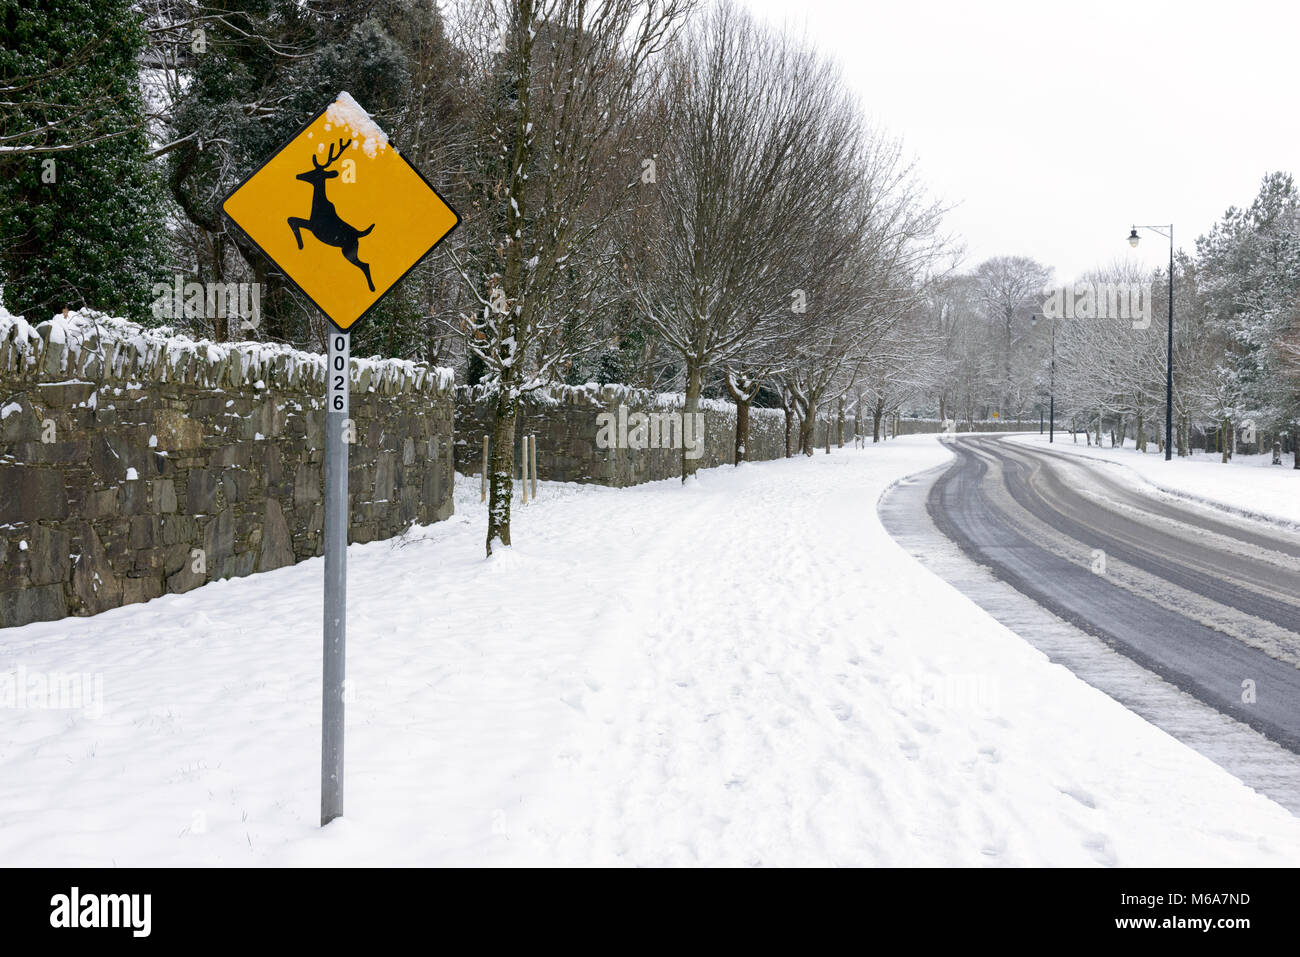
pixel 1056 126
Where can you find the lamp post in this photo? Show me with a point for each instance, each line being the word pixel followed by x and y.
pixel 1051 434
pixel 1169 355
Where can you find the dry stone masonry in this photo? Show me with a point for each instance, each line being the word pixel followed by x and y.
pixel 565 421
pixel 135 464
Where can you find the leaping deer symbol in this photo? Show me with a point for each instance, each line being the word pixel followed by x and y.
pixel 325 223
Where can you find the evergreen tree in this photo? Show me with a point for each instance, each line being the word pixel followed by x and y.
pixel 79 210
pixel 268 66
pixel 1250 278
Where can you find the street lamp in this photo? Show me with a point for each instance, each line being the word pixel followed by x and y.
pixel 1051 434
pixel 1169 356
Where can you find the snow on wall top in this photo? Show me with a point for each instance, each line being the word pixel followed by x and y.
pixel 612 394
pixel 90 345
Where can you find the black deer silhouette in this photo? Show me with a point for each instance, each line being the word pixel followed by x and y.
pixel 325 223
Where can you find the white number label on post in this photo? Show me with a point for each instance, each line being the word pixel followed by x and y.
pixel 337 395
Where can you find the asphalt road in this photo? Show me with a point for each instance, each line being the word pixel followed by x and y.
pixel 1209 602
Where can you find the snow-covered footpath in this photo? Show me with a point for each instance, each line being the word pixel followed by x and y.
pixel 1248 483
pixel 744 671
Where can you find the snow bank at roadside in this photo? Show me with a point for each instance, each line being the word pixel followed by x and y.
pixel 745 670
pixel 1249 484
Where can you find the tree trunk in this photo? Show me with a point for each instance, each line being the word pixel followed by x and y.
pixel 221 324
pixel 808 429
pixel 840 425
pixel 742 430
pixel 789 427
pixel 694 385
pixel 876 415
pixel 1006 356
pixel 278 310
pixel 1224 440
pixel 1141 436
pixel 742 400
pixel 808 433
pixel 501 467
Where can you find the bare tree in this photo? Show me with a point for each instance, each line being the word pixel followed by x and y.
pixel 905 364
pixel 758 142
pixel 561 80
pixel 857 305
pixel 1010 288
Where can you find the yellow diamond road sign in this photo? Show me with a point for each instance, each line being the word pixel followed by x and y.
pixel 341 212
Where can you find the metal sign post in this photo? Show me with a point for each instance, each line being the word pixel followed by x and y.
pixel 345 216
pixel 336 575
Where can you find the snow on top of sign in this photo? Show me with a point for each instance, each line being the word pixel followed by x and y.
pixel 346 111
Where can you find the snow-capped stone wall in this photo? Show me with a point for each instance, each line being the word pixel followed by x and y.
pixel 134 463
pixel 565 421
pixel 1029 423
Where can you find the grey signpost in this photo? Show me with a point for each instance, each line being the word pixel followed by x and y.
pixel 336 575
pixel 408 219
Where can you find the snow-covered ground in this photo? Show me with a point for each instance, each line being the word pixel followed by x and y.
pixel 1247 483
pixel 747 670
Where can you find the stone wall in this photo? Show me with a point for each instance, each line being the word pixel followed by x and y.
pixel 922 426
pixel 133 464
pixel 564 419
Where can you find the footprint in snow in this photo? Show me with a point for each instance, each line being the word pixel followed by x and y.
pixel 1099 846
pixel 1082 796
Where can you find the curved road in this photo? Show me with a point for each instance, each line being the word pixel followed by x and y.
pixel 1208 601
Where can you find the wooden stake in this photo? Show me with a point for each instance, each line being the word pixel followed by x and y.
pixel 523 467
pixel 532 463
